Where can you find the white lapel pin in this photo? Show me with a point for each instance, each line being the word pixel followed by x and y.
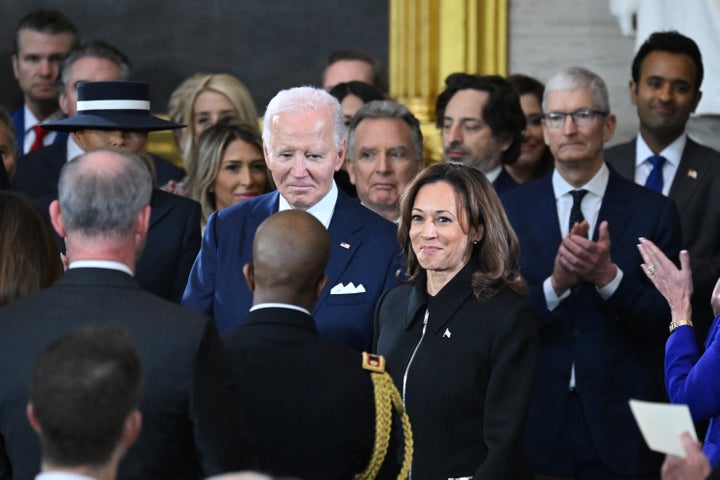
pixel 692 174
pixel 447 333
pixel 345 245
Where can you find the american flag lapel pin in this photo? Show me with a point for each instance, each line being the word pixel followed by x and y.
pixel 692 174
pixel 345 245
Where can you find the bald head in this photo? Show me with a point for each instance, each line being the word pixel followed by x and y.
pixel 290 252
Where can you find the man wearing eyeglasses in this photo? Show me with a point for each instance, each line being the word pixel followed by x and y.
pixel 666 76
pixel 604 323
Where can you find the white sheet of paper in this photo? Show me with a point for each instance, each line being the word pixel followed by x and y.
pixel 662 424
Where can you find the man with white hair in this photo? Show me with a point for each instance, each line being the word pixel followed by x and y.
pixel 303 143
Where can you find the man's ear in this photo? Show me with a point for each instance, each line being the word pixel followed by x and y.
pixel 249 274
pixel 30 412
pixel 15 65
pixel 132 427
pixel 322 281
pixel 142 223
pixel 63 102
pixel 56 219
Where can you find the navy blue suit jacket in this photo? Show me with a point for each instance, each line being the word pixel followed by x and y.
pixel 364 251
pixel 504 182
pixel 18 118
pixel 615 344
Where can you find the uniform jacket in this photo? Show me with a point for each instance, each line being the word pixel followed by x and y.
pixel 469 380
pixel 364 252
pixel 309 404
pixel 615 344
pixel 192 426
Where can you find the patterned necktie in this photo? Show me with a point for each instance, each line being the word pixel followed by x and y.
pixel 39 137
pixel 655 179
pixel 576 215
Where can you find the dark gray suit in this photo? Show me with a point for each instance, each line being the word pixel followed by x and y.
pixel 192 426
pixel 696 192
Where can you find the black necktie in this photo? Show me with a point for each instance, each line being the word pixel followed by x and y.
pixel 576 215
pixel 655 179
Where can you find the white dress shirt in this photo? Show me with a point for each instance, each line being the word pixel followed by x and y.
pixel 672 153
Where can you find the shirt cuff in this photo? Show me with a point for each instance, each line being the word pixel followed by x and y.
pixel 608 290
pixel 552 299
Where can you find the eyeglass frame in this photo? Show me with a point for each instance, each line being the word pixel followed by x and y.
pixel 583 122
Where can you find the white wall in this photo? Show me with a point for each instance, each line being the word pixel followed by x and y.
pixel 548 35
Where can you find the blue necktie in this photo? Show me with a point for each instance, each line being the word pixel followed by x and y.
pixel 655 179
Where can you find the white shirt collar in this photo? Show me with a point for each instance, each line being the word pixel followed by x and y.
pixel 107 264
pixel 30 119
pixel 596 185
pixel 322 210
pixel 672 153
pixel 59 475
pixel 289 306
pixel 493 174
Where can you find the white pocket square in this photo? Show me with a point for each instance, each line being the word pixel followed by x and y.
pixel 341 289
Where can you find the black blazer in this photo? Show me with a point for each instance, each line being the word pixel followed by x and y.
pixel 192 426
pixel 696 192
pixel 173 239
pixel 308 402
pixel 469 377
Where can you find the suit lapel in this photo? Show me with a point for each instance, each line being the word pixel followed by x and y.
pixel 344 243
pixel 542 222
pixel 690 172
pixel 614 208
pixel 159 208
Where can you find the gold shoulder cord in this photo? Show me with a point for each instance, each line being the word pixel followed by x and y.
pixel 387 397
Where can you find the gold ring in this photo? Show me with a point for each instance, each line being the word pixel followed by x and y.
pixel 651 270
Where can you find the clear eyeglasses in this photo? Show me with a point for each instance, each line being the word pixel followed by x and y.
pixel 581 118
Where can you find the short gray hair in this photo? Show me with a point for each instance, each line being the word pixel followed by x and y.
pixel 573 78
pixel 103 202
pixel 381 109
pixel 97 49
pixel 302 100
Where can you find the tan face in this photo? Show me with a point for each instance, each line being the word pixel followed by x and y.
pixel 129 141
pixel 350 105
pixel 466 138
pixel 346 71
pixel 36 65
pixel 7 152
pixel 533 145
pixel 572 146
pixel 242 175
pixel 383 162
pixel 665 95
pixel 209 108
pixel 87 69
pixel 302 155
pixel 438 234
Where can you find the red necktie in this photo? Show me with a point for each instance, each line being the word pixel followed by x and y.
pixel 39 137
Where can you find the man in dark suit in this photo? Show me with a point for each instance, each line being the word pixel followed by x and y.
pixel 42 40
pixel 192 425
pixel 481 124
pixel 84 392
pixel 604 323
pixel 91 62
pixel 295 434
pixel 666 76
pixel 303 146
pixel 174 236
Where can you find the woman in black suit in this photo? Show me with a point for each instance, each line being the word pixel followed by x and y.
pixel 460 340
